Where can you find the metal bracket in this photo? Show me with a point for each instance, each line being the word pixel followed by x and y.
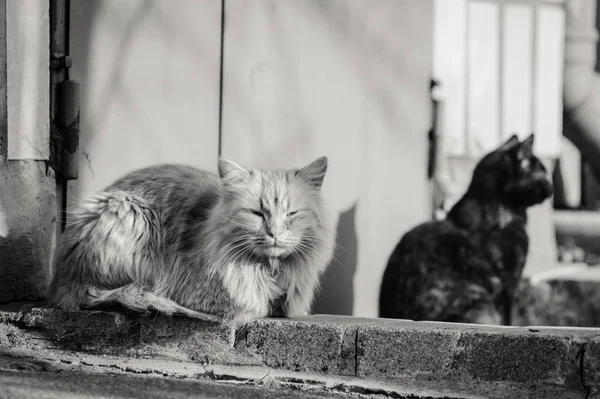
pixel 67 123
pixel 433 134
pixel 60 61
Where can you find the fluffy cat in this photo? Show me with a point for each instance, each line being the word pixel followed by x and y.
pixel 466 268
pixel 232 247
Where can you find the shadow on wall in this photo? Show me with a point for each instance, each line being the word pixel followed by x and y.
pixel 337 288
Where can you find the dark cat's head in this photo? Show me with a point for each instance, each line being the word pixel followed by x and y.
pixel 512 174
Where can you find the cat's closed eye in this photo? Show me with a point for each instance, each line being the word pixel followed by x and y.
pixel 291 214
pixel 257 213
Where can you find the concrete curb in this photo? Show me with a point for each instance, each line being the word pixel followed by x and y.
pixel 561 360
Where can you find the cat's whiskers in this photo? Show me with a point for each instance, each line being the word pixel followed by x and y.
pixel 298 251
pixel 240 255
pixel 221 257
pixel 313 248
pixel 315 238
pixel 307 249
pixel 229 248
pixel 243 245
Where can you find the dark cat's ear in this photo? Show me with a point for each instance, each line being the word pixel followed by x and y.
pixel 526 147
pixel 510 143
pixel 231 172
pixel 528 142
pixel 314 172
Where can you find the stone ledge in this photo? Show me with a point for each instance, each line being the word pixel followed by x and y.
pixel 566 360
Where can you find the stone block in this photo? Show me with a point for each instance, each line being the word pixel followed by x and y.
pixel 518 355
pixel 302 345
pixel 400 349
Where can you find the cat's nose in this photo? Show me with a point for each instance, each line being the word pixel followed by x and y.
pixel 274 234
pixel 275 228
pixel 273 238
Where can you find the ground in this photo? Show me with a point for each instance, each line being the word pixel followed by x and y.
pixel 65 385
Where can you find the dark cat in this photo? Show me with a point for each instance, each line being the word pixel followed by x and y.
pixel 466 268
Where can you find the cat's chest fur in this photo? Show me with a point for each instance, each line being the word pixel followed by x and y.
pixel 254 286
pixel 504 217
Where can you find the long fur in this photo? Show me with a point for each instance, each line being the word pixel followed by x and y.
pixel 467 268
pixel 180 240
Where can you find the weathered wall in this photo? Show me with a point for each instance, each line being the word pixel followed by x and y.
pixel 28 207
pixel 28 210
pixel 149 73
pixel 28 58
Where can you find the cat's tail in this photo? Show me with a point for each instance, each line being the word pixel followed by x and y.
pixel 136 298
pixel 113 241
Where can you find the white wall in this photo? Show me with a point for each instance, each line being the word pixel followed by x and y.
pixel 28 58
pixel 500 64
pixel 150 85
pixel 344 78
pixel 347 79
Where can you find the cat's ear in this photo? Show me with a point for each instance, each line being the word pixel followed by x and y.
pixel 314 172
pixel 231 172
pixel 510 143
pixel 526 147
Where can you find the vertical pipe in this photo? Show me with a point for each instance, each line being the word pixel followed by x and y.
pixel 221 78
pixel 58 33
pixel 581 84
pixel 468 149
pixel 534 62
pixel 501 17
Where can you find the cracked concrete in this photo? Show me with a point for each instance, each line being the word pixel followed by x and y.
pixel 558 362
